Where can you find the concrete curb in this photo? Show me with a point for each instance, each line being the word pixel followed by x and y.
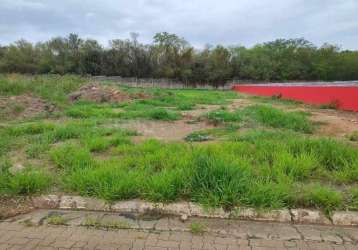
pixel 189 209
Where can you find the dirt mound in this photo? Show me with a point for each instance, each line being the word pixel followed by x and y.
pixel 23 106
pixel 98 93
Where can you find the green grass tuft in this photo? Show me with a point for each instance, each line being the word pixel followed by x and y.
pixel 197 228
pixel 26 182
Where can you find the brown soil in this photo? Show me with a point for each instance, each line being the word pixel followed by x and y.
pixel 23 106
pixel 12 206
pixel 165 131
pixel 98 93
pixel 240 103
pixel 335 123
pixel 199 111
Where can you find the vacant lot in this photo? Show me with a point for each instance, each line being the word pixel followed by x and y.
pixel 64 135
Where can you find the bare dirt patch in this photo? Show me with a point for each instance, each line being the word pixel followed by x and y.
pixel 335 123
pixel 199 111
pixel 12 206
pixel 95 92
pixel 23 106
pixel 240 103
pixel 165 131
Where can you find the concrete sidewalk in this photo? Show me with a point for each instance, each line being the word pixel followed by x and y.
pixel 32 231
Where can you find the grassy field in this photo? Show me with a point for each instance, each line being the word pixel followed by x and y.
pixel 259 155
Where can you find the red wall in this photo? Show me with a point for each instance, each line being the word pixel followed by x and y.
pixel 345 96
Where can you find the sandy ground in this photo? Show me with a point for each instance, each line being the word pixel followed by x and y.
pixel 165 131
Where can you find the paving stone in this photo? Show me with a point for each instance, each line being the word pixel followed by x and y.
pixel 263 235
pixel 176 224
pixel 309 232
pixel 167 243
pixel 319 246
pixel 285 232
pixel 351 246
pixel 266 243
pixel 162 224
pixel 331 237
pixel 290 244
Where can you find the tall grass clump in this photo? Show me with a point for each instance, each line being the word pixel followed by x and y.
pixel 306 157
pixel 31 128
pixel 318 196
pixel 163 114
pixel 217 181
pixel 276 118
pixel 219 116
pixel 26 182
pixel 353 199
pixel 108 181
pixel 70 157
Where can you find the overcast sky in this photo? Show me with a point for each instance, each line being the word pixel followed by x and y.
pixel 229 22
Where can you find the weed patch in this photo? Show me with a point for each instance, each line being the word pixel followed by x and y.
pixel 56 220
pixel 265 115
pixel 197 228
pixel 198 136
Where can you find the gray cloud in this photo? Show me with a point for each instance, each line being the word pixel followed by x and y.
pixel 228 22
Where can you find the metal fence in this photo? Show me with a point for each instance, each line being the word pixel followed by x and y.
pixel 158 83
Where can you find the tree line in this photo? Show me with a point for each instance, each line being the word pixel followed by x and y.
pixel 170 56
